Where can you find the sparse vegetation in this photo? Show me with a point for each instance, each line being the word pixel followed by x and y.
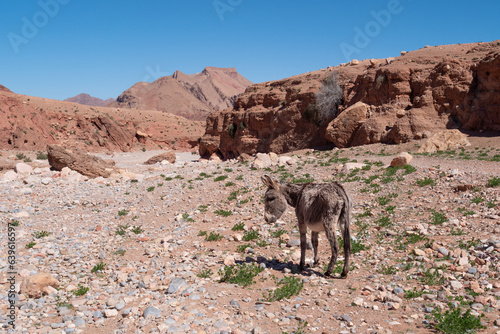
pixel 242 274
pixel 453 321
pixel 41 234
pixel 290 286
pixel 98 267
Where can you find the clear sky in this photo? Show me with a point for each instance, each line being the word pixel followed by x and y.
pixel 60 48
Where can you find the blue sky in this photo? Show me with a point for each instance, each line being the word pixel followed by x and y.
pixel 60 48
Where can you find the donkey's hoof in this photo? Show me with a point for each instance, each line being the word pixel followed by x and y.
pixel 343 275
pixel 328 273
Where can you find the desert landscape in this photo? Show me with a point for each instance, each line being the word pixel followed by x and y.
pixel 146 215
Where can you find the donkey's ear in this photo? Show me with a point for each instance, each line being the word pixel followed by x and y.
pixel 269 182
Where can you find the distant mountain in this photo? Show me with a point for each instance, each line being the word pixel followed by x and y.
pixel 191 96
pixel 4 89
pixel 88 100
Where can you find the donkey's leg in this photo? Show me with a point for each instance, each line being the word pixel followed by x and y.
pixel 330 227
pixel 346 236
pixel 314 241
pixel 303 244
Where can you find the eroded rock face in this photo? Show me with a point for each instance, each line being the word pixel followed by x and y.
pixel 409 97
pixel 168 156
pixel 79 161
pixel 445 140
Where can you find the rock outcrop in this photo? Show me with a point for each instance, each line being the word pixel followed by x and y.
pixel 406 98
pixel 445 140
pixel 79 161
pixel 168 156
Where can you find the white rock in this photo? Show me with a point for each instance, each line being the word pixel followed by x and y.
pixel 110 313
pixel 350 166
pixel 65 171
pixel 23 169
pixel 9 176
pixel 456 285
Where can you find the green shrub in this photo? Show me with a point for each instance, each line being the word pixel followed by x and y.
pixel 30 245
pixel 98 267
pixel 223 213
pixel 290 286
pixel 453 321
pixel 213 237
pixel 123 212
pixel 41 234
pixel 426 181
pixel 205 273
pixel 220 178
pixel 81 290
pixel 42 156
pixel 239 226
pixel 494 182
pixel 437 218
pixel 242 274
pixel 137 230
pixel 250 235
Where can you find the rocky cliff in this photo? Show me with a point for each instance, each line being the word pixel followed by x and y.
pixel 389 100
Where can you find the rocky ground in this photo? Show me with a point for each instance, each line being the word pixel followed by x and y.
pixel 133 253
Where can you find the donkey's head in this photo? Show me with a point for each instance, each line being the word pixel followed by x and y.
pixel 274 200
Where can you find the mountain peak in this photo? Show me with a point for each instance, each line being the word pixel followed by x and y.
pixel 88 100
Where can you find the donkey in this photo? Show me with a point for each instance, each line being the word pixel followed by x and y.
pixel 319 206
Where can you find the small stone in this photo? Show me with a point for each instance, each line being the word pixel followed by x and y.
pixel 234 302
pixel 472 271
pixel 110 313
pixel 444 251
pixel 358 301
pixel 404 158
pixel 456 285
pixel 229 260
pixel 175 284
pixel 345 317
pixel 151 311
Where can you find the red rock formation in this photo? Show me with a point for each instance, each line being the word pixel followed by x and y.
pixel 408 97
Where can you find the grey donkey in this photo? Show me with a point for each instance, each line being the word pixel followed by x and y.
pixel 319 206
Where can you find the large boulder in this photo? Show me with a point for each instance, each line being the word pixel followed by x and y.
pixel 340 131
pixel 168 156
pixel 79 161
pixel 404 158
pixel 445 140
pixel 38 285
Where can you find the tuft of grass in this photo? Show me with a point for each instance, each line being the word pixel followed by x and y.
pixel 242 248
pixel 290 286
pixel 14 222
pixel 477 200
pixel 242 274
pixel 137 230
pixel 453 321
pixel 493 182
pixel 42 156
pixel 238 226
pixel 437 218
pixel 431 277
pixel 30 245
pixel 426 181
pixel 278 233
pixel 150 189
pixel 223 213
pixel 220 178
pixel 387 270
pixel 41 234
pixel 250 235
pixel 213 237
pixel 81 290
pixel 205 273
pixel 120 252
pixel 410 294
pixel 98 267
pixel 122 229
pixel 123 212
pixel 202 233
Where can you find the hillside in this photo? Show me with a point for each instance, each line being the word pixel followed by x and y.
pixel 30 123
pixel 191 96
pixel 88 100
pixel 404 98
